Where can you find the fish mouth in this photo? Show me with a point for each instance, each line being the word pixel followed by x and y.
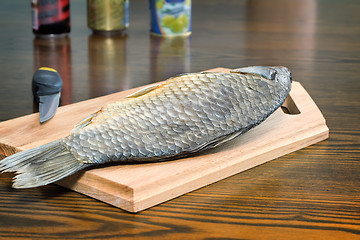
pixel 283 72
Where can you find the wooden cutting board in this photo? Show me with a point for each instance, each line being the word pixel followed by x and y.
pixel 298 124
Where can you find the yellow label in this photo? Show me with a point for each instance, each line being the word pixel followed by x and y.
pixel 47 68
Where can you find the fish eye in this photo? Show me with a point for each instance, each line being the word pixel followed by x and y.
pixel 272 75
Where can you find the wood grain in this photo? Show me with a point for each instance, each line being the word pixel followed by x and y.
pixel 312 193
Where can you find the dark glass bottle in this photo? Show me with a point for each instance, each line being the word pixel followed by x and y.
pixel 50 17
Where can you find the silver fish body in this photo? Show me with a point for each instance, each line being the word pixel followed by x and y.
pixel 180 116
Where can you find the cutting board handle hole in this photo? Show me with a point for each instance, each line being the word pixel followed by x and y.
pixel 289 106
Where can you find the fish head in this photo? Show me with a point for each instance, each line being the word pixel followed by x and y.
pixel 282 76
pixel 279 74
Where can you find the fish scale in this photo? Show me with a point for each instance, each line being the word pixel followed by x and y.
pixel 175 118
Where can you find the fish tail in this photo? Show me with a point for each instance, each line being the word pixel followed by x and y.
pixel 41 165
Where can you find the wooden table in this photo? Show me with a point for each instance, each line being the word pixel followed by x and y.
pixel 313 193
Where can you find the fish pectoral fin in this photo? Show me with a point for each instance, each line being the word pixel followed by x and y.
pixel 266 72
pixel 225 139
pixel 219 141
pixel 144 91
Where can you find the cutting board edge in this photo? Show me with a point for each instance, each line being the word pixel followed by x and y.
pixel 98 193
pixel 84 180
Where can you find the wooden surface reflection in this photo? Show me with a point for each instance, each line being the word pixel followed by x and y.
pixel 309 194
pixel 108 60
pixel 169 56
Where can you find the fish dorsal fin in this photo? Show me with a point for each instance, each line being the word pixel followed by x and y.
pixel 266 72
pixel 144 91
pixel 85 122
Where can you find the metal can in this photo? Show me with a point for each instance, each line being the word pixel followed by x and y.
pixel 170 17
pixel 50 17
pixel 108 15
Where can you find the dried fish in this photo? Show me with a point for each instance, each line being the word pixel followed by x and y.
pixel 172 119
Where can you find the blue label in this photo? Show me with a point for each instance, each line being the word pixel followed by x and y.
pixel 170 17
pixel 175 1
pixel 126 14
